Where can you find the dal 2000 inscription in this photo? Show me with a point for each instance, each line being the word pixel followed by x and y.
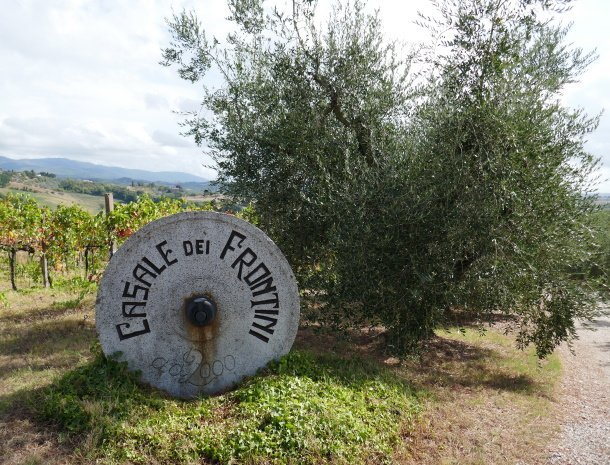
pixel 192 368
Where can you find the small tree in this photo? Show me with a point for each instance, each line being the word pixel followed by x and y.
pixel 299 112
pixel 5 178
pixel 20 218
pixel 66 234
pixel 402 205
pixel 514 172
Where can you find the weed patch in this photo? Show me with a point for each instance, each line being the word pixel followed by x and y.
pixel 302 409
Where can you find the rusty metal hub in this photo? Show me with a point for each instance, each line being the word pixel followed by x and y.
pixel 201 311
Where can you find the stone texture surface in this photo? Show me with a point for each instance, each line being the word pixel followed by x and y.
pixel 142 299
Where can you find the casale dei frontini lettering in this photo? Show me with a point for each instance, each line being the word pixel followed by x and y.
pixel 234 252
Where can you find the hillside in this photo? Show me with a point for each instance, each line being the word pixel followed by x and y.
pixel 91 171
pixel 49 198
pixel 50 191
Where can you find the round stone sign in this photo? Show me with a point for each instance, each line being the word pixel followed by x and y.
pixel 197 301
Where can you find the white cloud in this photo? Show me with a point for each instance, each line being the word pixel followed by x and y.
pixel 81 78
pixel 154 101
pixel 168 139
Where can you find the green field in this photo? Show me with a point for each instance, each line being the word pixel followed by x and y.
pixel 51 198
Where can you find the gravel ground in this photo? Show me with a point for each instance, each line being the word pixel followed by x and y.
pixel 585 400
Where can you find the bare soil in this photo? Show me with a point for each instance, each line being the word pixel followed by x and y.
pixel 488 403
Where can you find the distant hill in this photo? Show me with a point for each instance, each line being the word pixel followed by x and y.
pixel 91 171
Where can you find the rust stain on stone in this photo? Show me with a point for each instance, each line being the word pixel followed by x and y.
pixel 204 339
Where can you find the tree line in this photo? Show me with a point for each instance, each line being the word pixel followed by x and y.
pixel 95 188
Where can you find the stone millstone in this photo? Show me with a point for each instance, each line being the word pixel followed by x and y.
pixel 196 302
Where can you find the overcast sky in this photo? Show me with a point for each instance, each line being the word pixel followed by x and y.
pixel 80 79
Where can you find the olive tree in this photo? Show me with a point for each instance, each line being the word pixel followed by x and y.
pixel 515 217
pixel 403 199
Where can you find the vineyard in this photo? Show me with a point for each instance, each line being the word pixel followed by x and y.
pixel 39 243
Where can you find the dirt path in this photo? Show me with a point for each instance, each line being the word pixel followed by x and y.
pixel 585 394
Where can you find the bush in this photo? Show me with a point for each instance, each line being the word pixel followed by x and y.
pixel 5 178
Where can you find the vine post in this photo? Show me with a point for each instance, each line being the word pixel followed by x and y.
pixel 12 254
pixel 109 207
pixel 45 222
pixel 44 270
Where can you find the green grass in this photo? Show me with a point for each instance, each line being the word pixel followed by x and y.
pixel 303 409
pixel 504 367
pixel 490 402
pixel 468 399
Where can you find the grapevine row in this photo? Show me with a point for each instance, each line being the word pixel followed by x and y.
pixel 69 236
